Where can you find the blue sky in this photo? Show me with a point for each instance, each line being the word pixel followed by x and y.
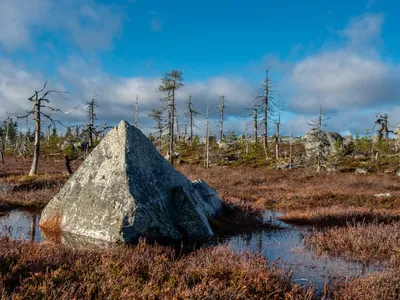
pixel 342 55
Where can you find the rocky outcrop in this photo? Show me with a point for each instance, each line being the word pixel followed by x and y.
pixel 125 190
pixel 329 141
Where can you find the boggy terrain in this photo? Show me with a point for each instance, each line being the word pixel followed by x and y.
pixel 349 221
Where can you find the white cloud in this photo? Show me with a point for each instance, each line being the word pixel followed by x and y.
pixel 364 30
pixel 17 85
pixel 346 78
pixel 17 18
pixel 342 80
pixel 89 25
pixel 116 95
pixel 349 79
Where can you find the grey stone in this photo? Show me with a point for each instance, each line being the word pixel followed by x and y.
pixel 361 171
pixel 347 141
pixel 175 156
pixel 329 140
pixel 126 190
pixel 383 195
pixel 223 145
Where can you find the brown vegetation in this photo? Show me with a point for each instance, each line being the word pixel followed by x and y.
pixel 298 189
pixel 361 241
pixel 380 285
pixel 30 192
pixel 261 187
pixel 338 216
pixel 326 199
pixel 143 271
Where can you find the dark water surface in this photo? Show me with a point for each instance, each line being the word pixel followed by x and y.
pixel 20 225
pixel 285 246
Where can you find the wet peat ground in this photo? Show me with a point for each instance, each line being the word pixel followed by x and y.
pixel 332 199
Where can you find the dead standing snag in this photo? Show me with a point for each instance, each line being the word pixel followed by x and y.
pixel 40 102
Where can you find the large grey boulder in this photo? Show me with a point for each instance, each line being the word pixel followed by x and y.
pixel 125 190
pixel 329 141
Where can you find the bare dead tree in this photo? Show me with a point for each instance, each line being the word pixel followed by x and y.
pixel 221 110
pixel 255 125
pixel 277 136
pixel 207 144
pixel 178 132
pixel 246 137
pixel 265 102
pixel 157 115
pixel 137 111
pixel 68 164
pixel 40 102
pixel 383 123
pixel 90 106
pixel 191 114
pixel 7 127
pixel 171 82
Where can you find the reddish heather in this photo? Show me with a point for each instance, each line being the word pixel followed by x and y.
pixel 140 272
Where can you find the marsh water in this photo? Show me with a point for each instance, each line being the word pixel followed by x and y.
pixel 285 246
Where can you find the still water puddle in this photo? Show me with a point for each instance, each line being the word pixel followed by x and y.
pixel 284 246
pixel 20 225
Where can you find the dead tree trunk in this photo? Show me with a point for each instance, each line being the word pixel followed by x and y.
pixel 2 152
pixel 7 140
pixel 137 111
pixel 91 116
pixel 191 114
pixel 36 149
pixel 265 119
pixel 171 128
pixel 255 125
pixel 178 132
pixel 170 83
pixel 221 118
pixel 277 137
pixel 207 144
pixel 68 164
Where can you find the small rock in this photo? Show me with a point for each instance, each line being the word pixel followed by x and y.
pixel 387 195
pixel 361 171
pixel 398 173
pixel 176 155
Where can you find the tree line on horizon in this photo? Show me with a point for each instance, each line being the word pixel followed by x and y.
pixel 264 111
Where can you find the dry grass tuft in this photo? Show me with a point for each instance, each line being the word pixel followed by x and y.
pixel 380 285
pixel 362 242
pixel 338 216
pixel 298 189
pixel 140 272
